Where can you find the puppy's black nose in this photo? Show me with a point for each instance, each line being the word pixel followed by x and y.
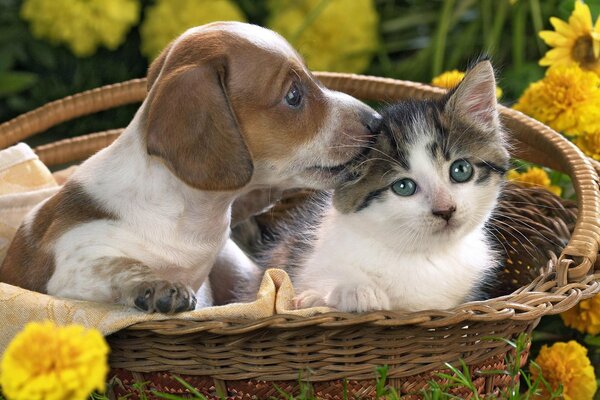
pixel 373 122
pixel 445 214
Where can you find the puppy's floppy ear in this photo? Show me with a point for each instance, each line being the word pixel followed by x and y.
pixel 190 125
pixel 157 66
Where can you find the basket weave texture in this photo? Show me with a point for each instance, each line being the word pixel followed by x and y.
pixel 552 270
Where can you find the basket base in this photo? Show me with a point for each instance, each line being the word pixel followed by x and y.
pixel 126 383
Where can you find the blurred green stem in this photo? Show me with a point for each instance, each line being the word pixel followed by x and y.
pixel 485 7
pixel 538 24
pixel 518 35
pixel 491 45
pixel 440 37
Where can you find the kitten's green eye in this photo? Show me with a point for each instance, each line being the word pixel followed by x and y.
pixel 461 171
pixel 404 187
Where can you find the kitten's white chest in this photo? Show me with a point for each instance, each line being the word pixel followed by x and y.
pixel 443 279
pixel 365 264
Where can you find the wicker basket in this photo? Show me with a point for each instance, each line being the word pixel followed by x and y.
pixel 338 352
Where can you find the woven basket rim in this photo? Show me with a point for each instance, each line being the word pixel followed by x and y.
pixel 568 279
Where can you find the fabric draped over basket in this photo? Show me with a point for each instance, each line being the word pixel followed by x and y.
pixel 24 182
pixel 19 306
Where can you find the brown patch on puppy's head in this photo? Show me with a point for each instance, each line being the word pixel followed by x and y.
pixel 231 102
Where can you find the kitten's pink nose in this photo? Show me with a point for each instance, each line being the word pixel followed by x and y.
pixel 445 213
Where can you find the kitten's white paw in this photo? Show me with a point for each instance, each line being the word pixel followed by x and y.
pixel 358 298
pixel 309 298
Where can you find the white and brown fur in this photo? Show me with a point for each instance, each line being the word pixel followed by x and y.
pixel 142 222
pixel 366 248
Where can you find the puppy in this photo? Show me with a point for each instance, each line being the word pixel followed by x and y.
pixel 230 108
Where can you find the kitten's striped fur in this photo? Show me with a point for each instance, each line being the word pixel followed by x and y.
pixel 365 247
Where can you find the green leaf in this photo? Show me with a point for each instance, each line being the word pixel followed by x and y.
pixel 42 54
pixel 167 396
pixel 594 8
pixel 6 60
pixel 514 81
pixel 592 340
pixel 15 82
pixel 566 7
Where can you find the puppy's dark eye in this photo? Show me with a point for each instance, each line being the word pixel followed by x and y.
pixel 293 97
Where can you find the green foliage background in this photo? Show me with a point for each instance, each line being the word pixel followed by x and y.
pixel 418 40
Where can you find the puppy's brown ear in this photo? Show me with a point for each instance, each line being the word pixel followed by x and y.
pixel 156 66
pixel 190 124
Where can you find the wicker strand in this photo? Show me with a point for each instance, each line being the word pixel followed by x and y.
pixel 70 150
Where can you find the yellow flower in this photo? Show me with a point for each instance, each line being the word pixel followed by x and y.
pixel 576 42
pixel 448 79
pixel 168 19
pixel 589 143
pixel 83 25
pixel 585 316
pixel 451 79
pixel 533 177
pixel 47 362
pixel 567 99
pixel 567 364
pixel 335 35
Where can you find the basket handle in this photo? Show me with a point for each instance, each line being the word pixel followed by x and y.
pixel 77 105
pixel 576 259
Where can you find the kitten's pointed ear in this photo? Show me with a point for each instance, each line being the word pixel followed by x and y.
pixel 474 100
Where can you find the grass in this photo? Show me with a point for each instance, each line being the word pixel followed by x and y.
pixel 458 378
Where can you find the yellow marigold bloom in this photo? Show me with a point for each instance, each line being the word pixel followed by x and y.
pixel 533 177
pixel 448 79
pixel 589 143
pixel 567 99
pixel 567 364
pixel 47 362
pixel 576 42
pixel 335 35
pixel 451 79
pixel 168 19
pixel 585 316
pixel 83 25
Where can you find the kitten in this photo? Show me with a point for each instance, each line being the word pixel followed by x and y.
pixel 409 232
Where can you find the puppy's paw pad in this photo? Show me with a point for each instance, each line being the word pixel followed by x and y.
pixel 358 298
pixel 165 297
pixel 309 298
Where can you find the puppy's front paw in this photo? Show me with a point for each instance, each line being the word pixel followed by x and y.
pixel 164 296
pixel 358 298
pixel 309 298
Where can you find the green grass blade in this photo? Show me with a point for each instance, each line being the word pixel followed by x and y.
pixel 189 387
pixel 439 44
pixel 168 396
